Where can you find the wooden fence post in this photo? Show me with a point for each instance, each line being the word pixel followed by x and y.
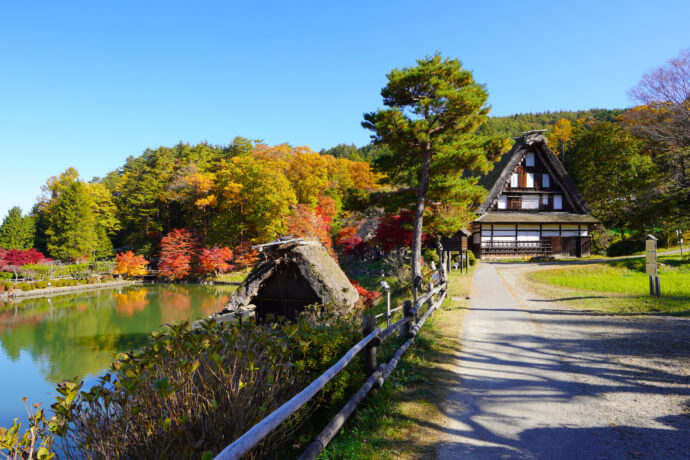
pixel 369 353
pixel 407 311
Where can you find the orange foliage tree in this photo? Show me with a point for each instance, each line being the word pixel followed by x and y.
pixel 130 264
pixel 215 260
pixel 307 222
pixel 245 255
pixel 178 251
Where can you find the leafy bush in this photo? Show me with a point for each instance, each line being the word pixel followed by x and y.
pixel 6 276
pixel 625 247
pixel 189 392
pixel 473 259
pixel 430 255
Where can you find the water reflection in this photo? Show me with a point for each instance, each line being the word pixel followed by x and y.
pixel 44 341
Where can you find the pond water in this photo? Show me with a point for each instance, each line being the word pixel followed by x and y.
pixel 44 341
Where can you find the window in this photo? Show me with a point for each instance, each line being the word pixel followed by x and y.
pixel 502 202
pixel 545 200
pixel 529 180
pixel 557 202
pixel 529 159
pixel 530 202
pixel 545 181
pixel 514 180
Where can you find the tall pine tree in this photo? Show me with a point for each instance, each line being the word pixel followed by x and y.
pixel 434 111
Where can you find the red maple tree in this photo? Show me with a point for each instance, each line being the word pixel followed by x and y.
pixel 307 222
pixel 395 230
pixel 178 252
pixel 215 260
pixel 19 257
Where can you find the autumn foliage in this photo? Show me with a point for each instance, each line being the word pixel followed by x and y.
pixel 348 240
pixel 366 296
pixel 310 223
pixel 18 257
pixel 178 251
pixel 215 260
pixel 245 255
pixel 395 231
pixel 130 264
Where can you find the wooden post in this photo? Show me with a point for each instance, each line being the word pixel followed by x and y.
pixel 657 286
pixel 407 311
pixel 369 353
pixel 651 265
pixel 651 285
pixel 388 307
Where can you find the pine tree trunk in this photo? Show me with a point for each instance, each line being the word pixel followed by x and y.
pixel 419 218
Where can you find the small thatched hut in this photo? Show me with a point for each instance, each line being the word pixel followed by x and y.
pixel 294 273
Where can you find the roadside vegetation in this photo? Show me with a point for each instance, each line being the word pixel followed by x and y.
pixel 619 286
pixel 403 419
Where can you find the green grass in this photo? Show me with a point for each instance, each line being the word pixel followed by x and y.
pixel 232 277
pixel 621 286
pixel 403 419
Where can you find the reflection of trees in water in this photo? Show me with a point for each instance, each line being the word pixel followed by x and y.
pixel 211 305
pixel 175 303
pixel 75 335
pixel 131 301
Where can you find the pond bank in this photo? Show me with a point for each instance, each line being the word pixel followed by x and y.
pixel 47 292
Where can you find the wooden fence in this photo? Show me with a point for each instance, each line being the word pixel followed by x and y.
pixel 410 324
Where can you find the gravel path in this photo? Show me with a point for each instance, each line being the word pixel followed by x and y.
pixel 538 380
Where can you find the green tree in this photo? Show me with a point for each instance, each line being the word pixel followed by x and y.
pixel 434 111
pixel 72 231
pixel 612 171
pixel 17 231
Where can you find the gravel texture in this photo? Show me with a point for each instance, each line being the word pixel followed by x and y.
pixel 539 380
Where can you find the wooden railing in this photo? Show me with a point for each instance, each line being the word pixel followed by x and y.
pixel 541 248
pixel 410 324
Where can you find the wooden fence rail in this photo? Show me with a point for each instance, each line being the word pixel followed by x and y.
pixel 377 375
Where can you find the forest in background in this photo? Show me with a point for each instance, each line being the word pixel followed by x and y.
pixel 630 165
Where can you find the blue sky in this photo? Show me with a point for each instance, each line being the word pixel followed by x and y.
pixel 87 84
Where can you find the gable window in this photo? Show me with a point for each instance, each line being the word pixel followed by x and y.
pixel 545 181
pixel 557 202
pixel 502 202
pixel 529 159
pixel 529 180
pixel 514 180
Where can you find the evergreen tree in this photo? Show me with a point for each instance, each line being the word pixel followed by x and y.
pixel 434 112
pixel 16 231
pixel 72 231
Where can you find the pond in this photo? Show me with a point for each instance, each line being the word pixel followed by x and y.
pixel 46 340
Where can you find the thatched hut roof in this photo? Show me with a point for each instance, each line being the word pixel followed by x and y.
pixel 295 270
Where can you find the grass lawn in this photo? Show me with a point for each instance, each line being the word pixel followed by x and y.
pixel 619 286
pixel 401 420
pixel 232 277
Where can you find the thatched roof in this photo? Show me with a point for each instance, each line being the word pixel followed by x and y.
pixel 499 177
pixel 302 258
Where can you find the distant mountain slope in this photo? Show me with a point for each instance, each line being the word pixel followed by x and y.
pixel 512 125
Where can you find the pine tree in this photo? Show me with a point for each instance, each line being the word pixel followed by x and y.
pixel 434 112
pixel 17 232
pixel 72 232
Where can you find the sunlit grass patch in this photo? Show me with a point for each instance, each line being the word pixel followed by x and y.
pixel 622 286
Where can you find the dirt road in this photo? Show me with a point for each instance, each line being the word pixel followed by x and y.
pixel 538 380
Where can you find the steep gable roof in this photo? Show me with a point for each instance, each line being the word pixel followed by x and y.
pixel 497 179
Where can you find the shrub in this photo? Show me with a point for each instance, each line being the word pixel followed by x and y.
pixel 625 247
pixel 473 259
pixel 6 276
pixel 188 392
pixel 430 255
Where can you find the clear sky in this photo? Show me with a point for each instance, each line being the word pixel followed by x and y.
pixel 87 84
